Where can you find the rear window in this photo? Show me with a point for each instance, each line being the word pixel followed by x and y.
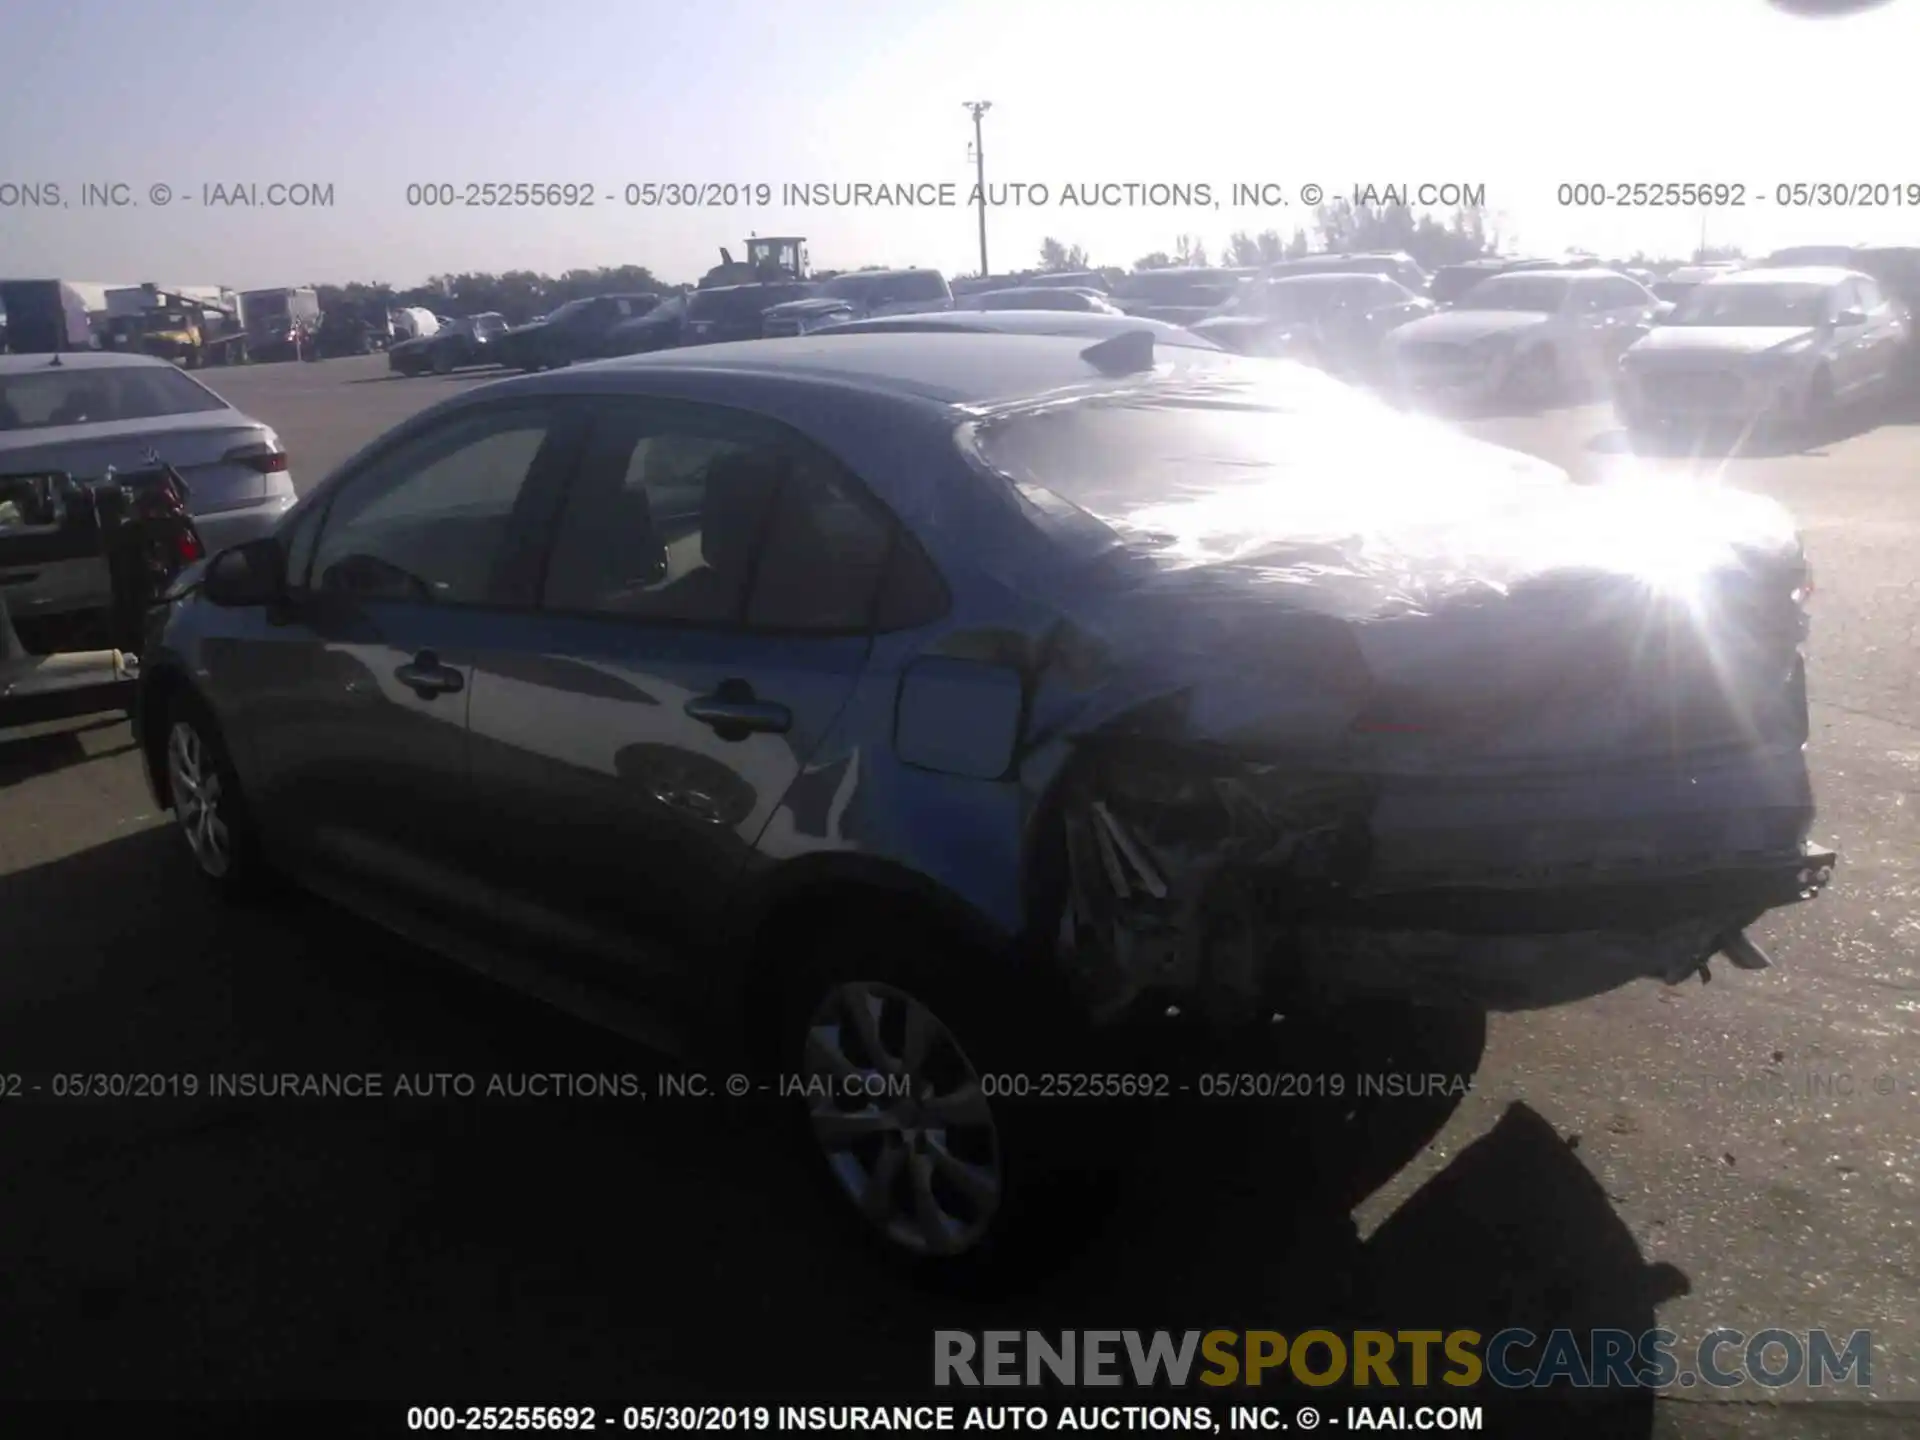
pixel 883 288
pixel 263 306
pixel 1198 287
pixel 743 303
pixel 98 395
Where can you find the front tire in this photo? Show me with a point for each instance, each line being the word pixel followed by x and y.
pixel 208 807
pixel 443 362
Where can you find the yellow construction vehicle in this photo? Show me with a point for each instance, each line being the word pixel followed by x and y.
pixel 190 330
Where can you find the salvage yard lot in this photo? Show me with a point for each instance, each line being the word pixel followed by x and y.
pixel 1742 1154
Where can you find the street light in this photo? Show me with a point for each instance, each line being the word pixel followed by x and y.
pixel 979 108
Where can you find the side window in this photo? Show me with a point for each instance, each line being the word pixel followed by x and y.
pixel 664 519
pixel 699 516
pixel 825 551
pixel 300 539
pixel 430 520
pixel 1623 294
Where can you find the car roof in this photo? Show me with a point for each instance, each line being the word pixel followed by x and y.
pixel 1559 272
pixel 1788 275
pixel 83 360
pixel 966 368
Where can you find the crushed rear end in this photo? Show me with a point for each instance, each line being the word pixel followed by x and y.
pixel 1355 705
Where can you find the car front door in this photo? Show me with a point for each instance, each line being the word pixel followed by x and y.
pixel 350 699
pixel 1852 339
pixel 703 620
pixel 1886 334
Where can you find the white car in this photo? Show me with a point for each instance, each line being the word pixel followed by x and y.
pixel 1523 336
pixel 83 412
pixel 1790 345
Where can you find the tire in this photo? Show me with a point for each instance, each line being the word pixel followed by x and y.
pixel 443 362
pixel 209 810
pixel 1016 1184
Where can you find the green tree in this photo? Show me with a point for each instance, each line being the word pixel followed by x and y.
pixel 1057 256
pixel 1158 260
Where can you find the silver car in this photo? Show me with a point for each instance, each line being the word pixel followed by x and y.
pixel 1524 336
pixel 1787 345
pixel 87 411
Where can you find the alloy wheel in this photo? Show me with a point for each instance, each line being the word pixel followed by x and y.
pixel 194 781
pixel 900 1115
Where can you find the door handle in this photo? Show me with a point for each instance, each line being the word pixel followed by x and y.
pixel 427 677
pixel 734 713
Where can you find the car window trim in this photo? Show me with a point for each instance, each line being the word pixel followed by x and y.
pixel 562 438
pixel 898 537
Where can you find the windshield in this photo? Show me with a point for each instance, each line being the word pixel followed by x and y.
pixel 572 307
pixel 485 325
pixel 1778 306
pixel 1542 293
pixel 98 395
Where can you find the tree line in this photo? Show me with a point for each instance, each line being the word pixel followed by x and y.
pixel 1432 240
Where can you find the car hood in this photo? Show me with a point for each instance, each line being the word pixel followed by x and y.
pixel 1379 565
pixel 1700 341
pixel 418 342
pixel 1462 327
pixel 532 327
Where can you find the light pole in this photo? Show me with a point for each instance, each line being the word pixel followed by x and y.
pixel 979 108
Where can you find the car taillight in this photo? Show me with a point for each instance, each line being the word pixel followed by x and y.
pixel 189 547
pixel 266 460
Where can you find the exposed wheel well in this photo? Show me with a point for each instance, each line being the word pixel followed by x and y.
pixel 786 929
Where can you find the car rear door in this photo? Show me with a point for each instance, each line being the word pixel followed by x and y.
pixel 350 701
pixel 702 623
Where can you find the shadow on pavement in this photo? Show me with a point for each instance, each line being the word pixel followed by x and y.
pixel 24 756
pixel 182 1245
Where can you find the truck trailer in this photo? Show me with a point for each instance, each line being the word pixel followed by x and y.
pixel 279 322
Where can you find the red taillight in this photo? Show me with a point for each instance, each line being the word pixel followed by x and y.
pixel 189 546
pixel 258 457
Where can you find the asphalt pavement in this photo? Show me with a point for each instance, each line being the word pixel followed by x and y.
pixel 1739 1154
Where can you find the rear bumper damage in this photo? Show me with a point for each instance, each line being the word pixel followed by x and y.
pixel 1239 900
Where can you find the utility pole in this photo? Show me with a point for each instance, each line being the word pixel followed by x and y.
pixel 979 108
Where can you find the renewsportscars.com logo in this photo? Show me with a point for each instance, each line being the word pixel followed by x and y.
pixel 1511 1359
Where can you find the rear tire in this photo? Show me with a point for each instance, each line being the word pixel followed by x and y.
pixel 209 810
pixel 960 1190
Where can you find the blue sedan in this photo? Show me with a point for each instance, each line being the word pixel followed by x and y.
pixel 918 718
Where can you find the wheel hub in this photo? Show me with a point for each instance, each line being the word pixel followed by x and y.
pixel 902 1120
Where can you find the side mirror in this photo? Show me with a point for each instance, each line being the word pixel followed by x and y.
pixel 249 574
pixel 33 504
pixel 1847 319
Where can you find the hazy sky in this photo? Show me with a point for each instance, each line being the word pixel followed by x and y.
pixel 1518 95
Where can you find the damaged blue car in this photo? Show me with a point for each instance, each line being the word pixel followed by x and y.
pixel 917 715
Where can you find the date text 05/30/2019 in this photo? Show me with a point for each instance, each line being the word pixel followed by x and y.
pixel 935 1419
pixel 1694 195
pixel 929 194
